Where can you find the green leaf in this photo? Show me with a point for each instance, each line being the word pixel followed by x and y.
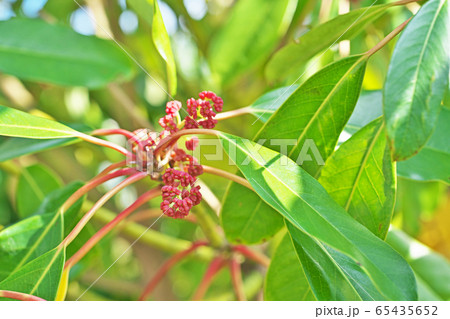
pixel 162 43
pixel 38 234
pixel 268 103
pixel 20 124
pixel 432 269
pixel 248 36
pixel 35 182
pixel 16 146
pixel 433 161
pixel 417 79
pixel 318 110
pixel 304 116
pixel 291 58
pixel 81 61
pixel 40 277
pixel 360 176
pixel 308 208
pixel 246 219
pixel 332 275
pixel 285 279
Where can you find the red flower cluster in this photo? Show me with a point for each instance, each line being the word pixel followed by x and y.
pixel 179 193
pixel 203 109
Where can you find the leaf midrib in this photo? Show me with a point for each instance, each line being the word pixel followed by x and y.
pixel 324 102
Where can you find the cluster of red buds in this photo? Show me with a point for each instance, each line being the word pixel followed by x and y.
pixel 179 192
pixel 201 111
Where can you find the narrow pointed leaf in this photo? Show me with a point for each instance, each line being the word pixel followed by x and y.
pixel 285 279
pixel 162 43
pixel 20 124
pixel 417 79
pixel 16 146
pixel 302 118
pixel 292 57
pixel 366 178
pixel 305 204
pixel 318 110
pixel 35 182
pixel 40 277
pixel 80 61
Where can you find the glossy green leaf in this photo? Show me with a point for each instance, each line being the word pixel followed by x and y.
pixel 432 269
pixel 248 36
pixel 308 208
pixel 40 277
pixel 162 43
pixel 285 279
pixel 432 163
pixel 304 116
pixel 417 79
pixel 360 176
pixel 293 56
pixel 32 237
pixel 332 275
pixel 268 103
pixel 317 112
pixel 20 124
pixel 15 147
pixel 35 182
pixel 81 61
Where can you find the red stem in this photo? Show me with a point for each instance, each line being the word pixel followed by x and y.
pixel 85 219
pixel 119 131
pixel 214 267
pixel 93 183
pixel 112 167
pixel 236 279
pixel 98 141
pixel 19 296
pixel 253 255
pixel 172 261
pixel 144 198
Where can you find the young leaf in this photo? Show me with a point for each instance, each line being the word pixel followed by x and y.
pixel 20 124
pixel 433 161
pixel 249 35
pixel 35 182
pixel 344 27
pixel 303 116
pixel 417 79
pixel 285 279
pixel 162 44
pixel 305 204
pixel 40 277
pixel 81 61
pixel 360 176
pixel 430 268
